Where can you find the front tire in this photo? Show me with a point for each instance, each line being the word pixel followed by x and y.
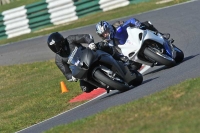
pixel 138 80
pixel 179 54
pixel 159 57
pixel 98 74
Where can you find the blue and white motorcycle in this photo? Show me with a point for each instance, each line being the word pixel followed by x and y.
pixel 150 48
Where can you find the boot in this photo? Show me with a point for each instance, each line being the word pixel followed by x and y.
pixel 124 59
pixel 132 65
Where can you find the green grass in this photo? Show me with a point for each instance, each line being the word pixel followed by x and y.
pixel 30 93
pixel 173 110
pixel 94 18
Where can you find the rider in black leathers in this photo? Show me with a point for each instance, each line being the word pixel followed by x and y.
pixel 63 47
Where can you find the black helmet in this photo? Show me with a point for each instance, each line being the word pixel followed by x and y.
pixel 56 42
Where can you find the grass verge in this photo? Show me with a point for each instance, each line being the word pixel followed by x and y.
pixel 174 110
pixel 94 18
pixel 30 93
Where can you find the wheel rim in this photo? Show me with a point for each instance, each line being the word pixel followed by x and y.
pixel 160 54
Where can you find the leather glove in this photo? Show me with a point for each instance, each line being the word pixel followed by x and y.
pixel 142 26
pixel 73 79
pixel 124 59
pixel 92 46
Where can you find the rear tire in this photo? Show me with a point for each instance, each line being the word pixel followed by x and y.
pixel 158 57
pixel 98 74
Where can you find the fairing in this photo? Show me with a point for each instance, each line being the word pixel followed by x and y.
pixel 84 60
pixel 137 38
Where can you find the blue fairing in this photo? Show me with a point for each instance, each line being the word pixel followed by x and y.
pixel 121 33
pixel 167 48
pixel 131 21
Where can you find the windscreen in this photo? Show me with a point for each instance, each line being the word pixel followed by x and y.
pixel 74 58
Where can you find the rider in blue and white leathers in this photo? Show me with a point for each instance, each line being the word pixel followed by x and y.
pixel 120 34
pixel 116 34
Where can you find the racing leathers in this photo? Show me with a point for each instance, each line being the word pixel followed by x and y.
pixel 61 59
pixel 120 35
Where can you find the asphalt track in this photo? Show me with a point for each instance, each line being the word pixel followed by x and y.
pixel 182 21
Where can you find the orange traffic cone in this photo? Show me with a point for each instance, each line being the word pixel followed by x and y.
pixel 63 87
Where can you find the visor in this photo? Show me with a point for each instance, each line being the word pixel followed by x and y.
pixel 59 46
pixel 105 34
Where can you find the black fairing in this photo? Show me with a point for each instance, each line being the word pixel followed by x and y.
pixel 83 61
pixel 107 60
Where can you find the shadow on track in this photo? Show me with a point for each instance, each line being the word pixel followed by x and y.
pixel 148 80
pixel 189 57
pixel 119 92
pixel 157 70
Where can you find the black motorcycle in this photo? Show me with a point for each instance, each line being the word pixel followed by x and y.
pixel 102 70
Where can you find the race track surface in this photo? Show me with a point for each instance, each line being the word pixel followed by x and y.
pixel 181 21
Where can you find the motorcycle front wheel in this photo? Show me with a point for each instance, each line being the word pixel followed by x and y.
pixel 138 80
pixel 179 54
pixel 98 74
pixel 159 57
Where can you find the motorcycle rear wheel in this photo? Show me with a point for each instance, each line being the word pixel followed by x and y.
pixel 98 74
pixel 158 57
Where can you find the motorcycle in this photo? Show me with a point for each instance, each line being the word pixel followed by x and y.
pixel 150 48
pixel 102 70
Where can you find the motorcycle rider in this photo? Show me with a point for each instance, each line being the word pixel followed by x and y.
pixel 116 34
pixel 63 47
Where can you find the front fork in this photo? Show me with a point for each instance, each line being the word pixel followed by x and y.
pixel 170 48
